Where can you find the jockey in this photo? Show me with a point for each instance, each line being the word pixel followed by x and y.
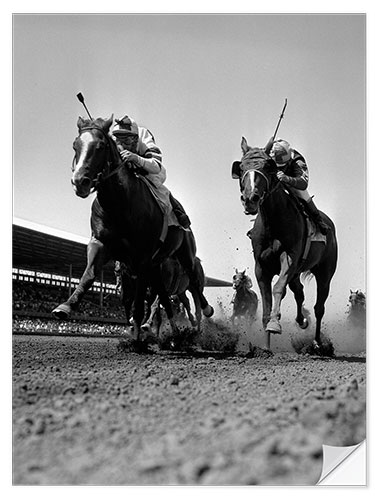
pixel 137 146
pixel 293 171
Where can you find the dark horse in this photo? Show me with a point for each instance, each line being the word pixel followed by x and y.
pixel 245 300
pixel 126 223
pixel 278 238
pixel 176 282
pixel 357 308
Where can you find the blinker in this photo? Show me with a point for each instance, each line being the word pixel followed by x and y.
pixel 236 170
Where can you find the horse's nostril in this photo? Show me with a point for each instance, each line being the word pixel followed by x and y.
pixel 81 183
pixel 85 182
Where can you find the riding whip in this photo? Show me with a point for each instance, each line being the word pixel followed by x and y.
pixel 270 142
pixel 281 117
pixel 82 100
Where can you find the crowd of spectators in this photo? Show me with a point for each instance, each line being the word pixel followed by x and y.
pixel 37 298
pixel 73 327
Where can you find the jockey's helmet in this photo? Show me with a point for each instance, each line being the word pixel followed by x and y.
pixel 124 127
pixel 281 152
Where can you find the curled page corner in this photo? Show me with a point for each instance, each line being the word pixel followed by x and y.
pixel 334 457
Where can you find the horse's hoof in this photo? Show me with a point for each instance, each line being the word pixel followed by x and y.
pixel 145 327
pixel 316 347
pixel 274 327
pixel 304 324
pixel 62 311
pixel 140 347
pixel 208 311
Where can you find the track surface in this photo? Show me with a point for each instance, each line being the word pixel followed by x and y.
pixel 86 412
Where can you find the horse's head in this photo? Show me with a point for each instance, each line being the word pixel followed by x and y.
pixel 256 175
pixel 240 279
pixel 91 154
pixel 357 298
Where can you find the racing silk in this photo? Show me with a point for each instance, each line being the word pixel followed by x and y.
pixel 296 172
pixel 150 153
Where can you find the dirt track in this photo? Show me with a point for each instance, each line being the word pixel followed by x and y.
pixel 86 412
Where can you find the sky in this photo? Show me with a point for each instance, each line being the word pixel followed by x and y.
pixel 199 83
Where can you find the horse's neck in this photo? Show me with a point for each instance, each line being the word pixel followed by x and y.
pixel 241 289
pixel 279 210
pixel 120 189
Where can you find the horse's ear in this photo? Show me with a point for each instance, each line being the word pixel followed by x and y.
pixel 244 145
pixel 351 291
pixel 108 123
pixel 236 170
pixel 80 122
pixel 236 270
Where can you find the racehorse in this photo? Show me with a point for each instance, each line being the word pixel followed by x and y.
pixel 126 222
pixel 357 308
pixel 279 238
pixel 176 282
pixel 245 300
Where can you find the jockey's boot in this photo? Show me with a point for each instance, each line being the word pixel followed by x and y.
pixel 316 217
pixel 180 213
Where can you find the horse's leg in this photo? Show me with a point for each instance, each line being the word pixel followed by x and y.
pixel 160 288
pixel 127 302
pixel 154 307
pixel 264 280
pixel 127 296
pixel 187 256
pixel 97 256
pixel 278 292
pixel 139 305
pixel 186 303
pixel 297 288
pixel 166 303
pixel 323 282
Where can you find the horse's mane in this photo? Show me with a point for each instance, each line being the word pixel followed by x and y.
pixel 93 122
pixel 257 158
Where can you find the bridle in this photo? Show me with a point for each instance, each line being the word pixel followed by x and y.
pixel 266 191
pixel 108 170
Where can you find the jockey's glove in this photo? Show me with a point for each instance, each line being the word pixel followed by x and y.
pixel 148 165
pixel 291 181
pixel 128 156
pixel 282 177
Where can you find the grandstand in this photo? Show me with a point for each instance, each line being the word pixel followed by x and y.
pixel 47 265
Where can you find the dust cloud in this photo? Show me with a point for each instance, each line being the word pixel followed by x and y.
pixel 345 336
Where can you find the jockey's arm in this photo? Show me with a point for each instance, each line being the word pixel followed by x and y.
pixel 299 179
pixel 150 165
pixel 148 156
